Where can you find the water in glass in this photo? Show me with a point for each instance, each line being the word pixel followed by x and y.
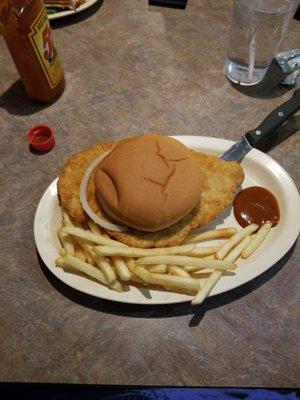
pixel 257 29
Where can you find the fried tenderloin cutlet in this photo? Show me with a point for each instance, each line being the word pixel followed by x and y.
pixel 221 180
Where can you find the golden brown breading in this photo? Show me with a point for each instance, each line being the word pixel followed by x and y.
pixel 222 181
pixel 71 175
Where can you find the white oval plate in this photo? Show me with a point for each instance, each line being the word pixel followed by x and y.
pixel 259 170
pixel 62 14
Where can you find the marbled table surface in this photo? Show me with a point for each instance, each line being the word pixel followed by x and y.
pixel 131 68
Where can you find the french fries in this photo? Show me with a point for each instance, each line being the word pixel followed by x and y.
pixel 88 258
pixel 241 240
pixel 67 219
pixel 234 240
pixel 203 251
pixel 104 265
pixel 62 252
pixel 174 270
pixel 207 288
pixel 175 282
pixel 90 236
pixel 188 249
pixel 256 241
pixel 211 235
pixel 94 227
pixel 234 254
pixel 121 268
pixel 66 242
pixel 159 269
pixel 73 262
pixel 79 252
pixel 189 268
pixel 185 260
pixel 138 252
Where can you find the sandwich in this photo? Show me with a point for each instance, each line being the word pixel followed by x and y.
pixel 147 191
pixel 63 5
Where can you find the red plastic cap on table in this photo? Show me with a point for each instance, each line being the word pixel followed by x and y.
pixel 41 138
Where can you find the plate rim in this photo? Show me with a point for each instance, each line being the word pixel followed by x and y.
pixel 220 142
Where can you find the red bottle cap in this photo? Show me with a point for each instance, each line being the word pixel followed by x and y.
pixel 41 138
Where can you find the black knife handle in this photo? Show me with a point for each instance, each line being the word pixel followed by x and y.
pixel 274 120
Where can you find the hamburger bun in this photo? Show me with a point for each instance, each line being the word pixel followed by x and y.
pixel 149 182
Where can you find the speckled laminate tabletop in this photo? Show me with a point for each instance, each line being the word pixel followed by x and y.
pixel 131 68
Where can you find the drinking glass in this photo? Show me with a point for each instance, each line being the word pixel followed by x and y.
pixel 257 30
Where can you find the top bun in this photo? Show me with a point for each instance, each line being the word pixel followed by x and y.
pixel 148 182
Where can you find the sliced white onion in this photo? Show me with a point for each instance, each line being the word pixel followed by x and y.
pixel 84 202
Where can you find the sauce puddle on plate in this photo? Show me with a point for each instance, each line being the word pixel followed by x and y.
pixel 256 205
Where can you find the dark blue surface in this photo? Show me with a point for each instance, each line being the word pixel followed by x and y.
pixel 33 391
pixel 205 394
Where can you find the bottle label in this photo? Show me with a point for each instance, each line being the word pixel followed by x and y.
pixel 44 47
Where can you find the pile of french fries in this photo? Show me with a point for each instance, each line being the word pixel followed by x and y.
pixel 190 268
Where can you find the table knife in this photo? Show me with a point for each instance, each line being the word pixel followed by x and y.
pixel 265 131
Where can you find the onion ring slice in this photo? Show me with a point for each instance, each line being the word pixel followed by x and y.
pixel 84 202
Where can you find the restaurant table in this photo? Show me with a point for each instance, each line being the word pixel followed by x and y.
pixel 131 69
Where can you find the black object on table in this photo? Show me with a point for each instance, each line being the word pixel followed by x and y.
pixel 169 3
pixel 297 14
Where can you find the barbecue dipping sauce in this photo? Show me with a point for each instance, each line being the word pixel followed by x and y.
pixel 255 205
pixel 27 32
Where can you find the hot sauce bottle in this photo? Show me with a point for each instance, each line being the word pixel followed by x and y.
pixel 27 32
